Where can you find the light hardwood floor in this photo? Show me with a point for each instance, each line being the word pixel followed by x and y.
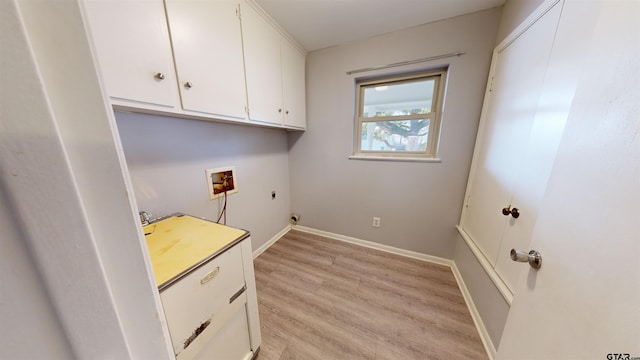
pixel 325 299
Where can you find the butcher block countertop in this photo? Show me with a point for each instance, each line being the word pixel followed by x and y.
pixel 179 244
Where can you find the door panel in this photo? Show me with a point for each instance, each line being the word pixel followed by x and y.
pixel 537 148
pixel 588 228
pixel 207 48
pixel 293 86
pixel 135 31
pixel 517 79
pixel 263 67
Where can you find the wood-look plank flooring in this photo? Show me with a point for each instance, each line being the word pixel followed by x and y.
pixel 325 299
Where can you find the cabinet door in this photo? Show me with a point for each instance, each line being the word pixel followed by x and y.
pixel 207 46
pixel 202 300
pixel 504 133
pixel 133 48
pixel 263 67
pixel 513 156
pixel 541 146
pixel 293 86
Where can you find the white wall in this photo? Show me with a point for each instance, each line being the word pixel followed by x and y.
pixel 28 317
pixel 75 252
pixel 167 158
pixel 419 203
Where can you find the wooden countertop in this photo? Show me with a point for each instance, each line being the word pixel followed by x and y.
pixel 180 243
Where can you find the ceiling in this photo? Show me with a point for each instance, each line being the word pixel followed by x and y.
pixel 317 24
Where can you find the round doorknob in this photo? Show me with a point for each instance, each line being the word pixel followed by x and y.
pixel 188 85
pixel 159 76
pixel 515 213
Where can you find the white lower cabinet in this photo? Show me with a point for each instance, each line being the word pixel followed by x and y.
pixel 233 342
pixel 212 312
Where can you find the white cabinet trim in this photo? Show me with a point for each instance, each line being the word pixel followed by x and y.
pixel 488 268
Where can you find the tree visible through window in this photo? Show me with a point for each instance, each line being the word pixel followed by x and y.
pixel 399 115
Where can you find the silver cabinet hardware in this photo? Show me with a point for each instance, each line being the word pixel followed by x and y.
pixel 188 85
pixel 210 275
pixel 237 294
pixel 159 76
pixel 145 219
pixel 533 257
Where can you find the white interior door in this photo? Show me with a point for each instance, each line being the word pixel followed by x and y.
pixel 584 301
pixel 517 79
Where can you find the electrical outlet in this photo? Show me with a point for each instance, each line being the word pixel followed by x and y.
pixel 376 222
pixel 221 180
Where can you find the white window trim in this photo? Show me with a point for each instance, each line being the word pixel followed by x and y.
pixel 394 158
pixel 430 155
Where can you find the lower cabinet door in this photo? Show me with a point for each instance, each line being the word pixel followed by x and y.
pixel 231 342
pixel 226 337
pixel 200 303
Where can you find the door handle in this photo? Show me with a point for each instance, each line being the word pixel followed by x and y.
pixel 533 257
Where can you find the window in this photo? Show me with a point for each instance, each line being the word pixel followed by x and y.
pixel 399 116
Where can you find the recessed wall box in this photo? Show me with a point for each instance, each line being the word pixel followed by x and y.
pixel 220 180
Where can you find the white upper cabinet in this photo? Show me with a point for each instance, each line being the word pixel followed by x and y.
pixel 134 52
pixel 204 59
pixel 207 46
pixel 262 63
pixel 293 86
pixel 275 73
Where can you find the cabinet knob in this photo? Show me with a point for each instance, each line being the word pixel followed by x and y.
pixel 287 112
pixel 159 76
pixel 188 85
pixel 506 211
pixel 515 213
pixel 280 110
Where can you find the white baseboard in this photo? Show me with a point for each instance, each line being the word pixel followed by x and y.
pixel 373 245
pixel 271 241
pixel 475 314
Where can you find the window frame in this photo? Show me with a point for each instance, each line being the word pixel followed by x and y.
pixel 439 75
